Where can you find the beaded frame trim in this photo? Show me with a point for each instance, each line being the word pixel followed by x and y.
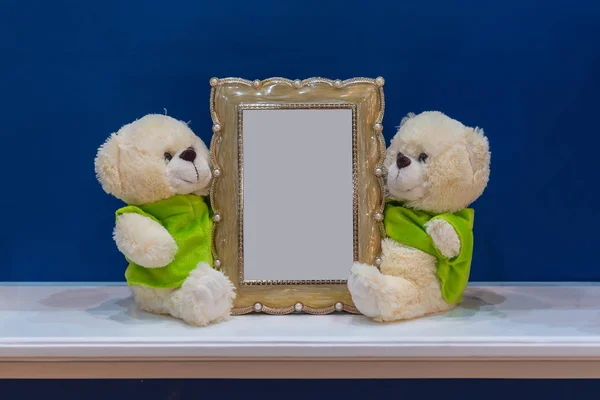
pixel 240 126
pixel 217 172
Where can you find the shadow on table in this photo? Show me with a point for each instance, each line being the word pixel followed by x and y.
pixel 125 311
pixel 77 299
pixel 476 301
pixel 99 302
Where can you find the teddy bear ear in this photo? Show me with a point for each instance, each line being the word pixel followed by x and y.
pixel 479 155
pixel 406 118
pixel 107 165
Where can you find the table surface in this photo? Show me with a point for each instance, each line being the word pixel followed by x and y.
pixel 88 321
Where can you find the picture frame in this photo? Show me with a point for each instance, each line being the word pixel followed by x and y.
pixel 324 120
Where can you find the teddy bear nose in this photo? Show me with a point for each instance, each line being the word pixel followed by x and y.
pixel 188 155
pixel 402 161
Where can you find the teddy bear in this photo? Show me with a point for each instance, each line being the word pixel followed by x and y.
pixel 436 167
pixel 160 169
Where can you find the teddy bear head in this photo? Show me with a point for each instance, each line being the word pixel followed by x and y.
pixel 436 164
pixel 151 159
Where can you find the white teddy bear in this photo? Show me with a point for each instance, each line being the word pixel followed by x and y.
pixel 160 168
pixel 436 167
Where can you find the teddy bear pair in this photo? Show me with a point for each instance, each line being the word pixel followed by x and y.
pixel 435 167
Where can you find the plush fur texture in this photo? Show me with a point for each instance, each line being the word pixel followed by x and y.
pixel 205 297
pixel 131 165
pixel 449 169
pixel 141 164
pixel 144 241
pixel 456 170
pixel 444 236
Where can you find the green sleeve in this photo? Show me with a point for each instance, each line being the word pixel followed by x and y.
pixel 134 210
pixel 454 272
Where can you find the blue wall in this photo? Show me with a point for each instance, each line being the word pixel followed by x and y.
pixel 528 72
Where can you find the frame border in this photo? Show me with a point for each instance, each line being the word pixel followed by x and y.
pixel 218 85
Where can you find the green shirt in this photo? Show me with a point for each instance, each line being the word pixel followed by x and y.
pixel 188 219
pixel 407 226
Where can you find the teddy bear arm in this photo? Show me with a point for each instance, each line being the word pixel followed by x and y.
pixel 144 241
pixel 444 237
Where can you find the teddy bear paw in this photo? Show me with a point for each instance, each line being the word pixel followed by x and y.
pixel 144 241
pixel 444 237
pixel 362 289
pixel 383 297
pixel 205 297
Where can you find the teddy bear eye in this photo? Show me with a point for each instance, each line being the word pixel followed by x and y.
pixel 423 157
pixel 168 156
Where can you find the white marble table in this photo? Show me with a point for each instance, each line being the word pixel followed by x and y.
pixel 528 330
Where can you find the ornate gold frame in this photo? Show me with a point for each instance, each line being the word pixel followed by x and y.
pixel 229 97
